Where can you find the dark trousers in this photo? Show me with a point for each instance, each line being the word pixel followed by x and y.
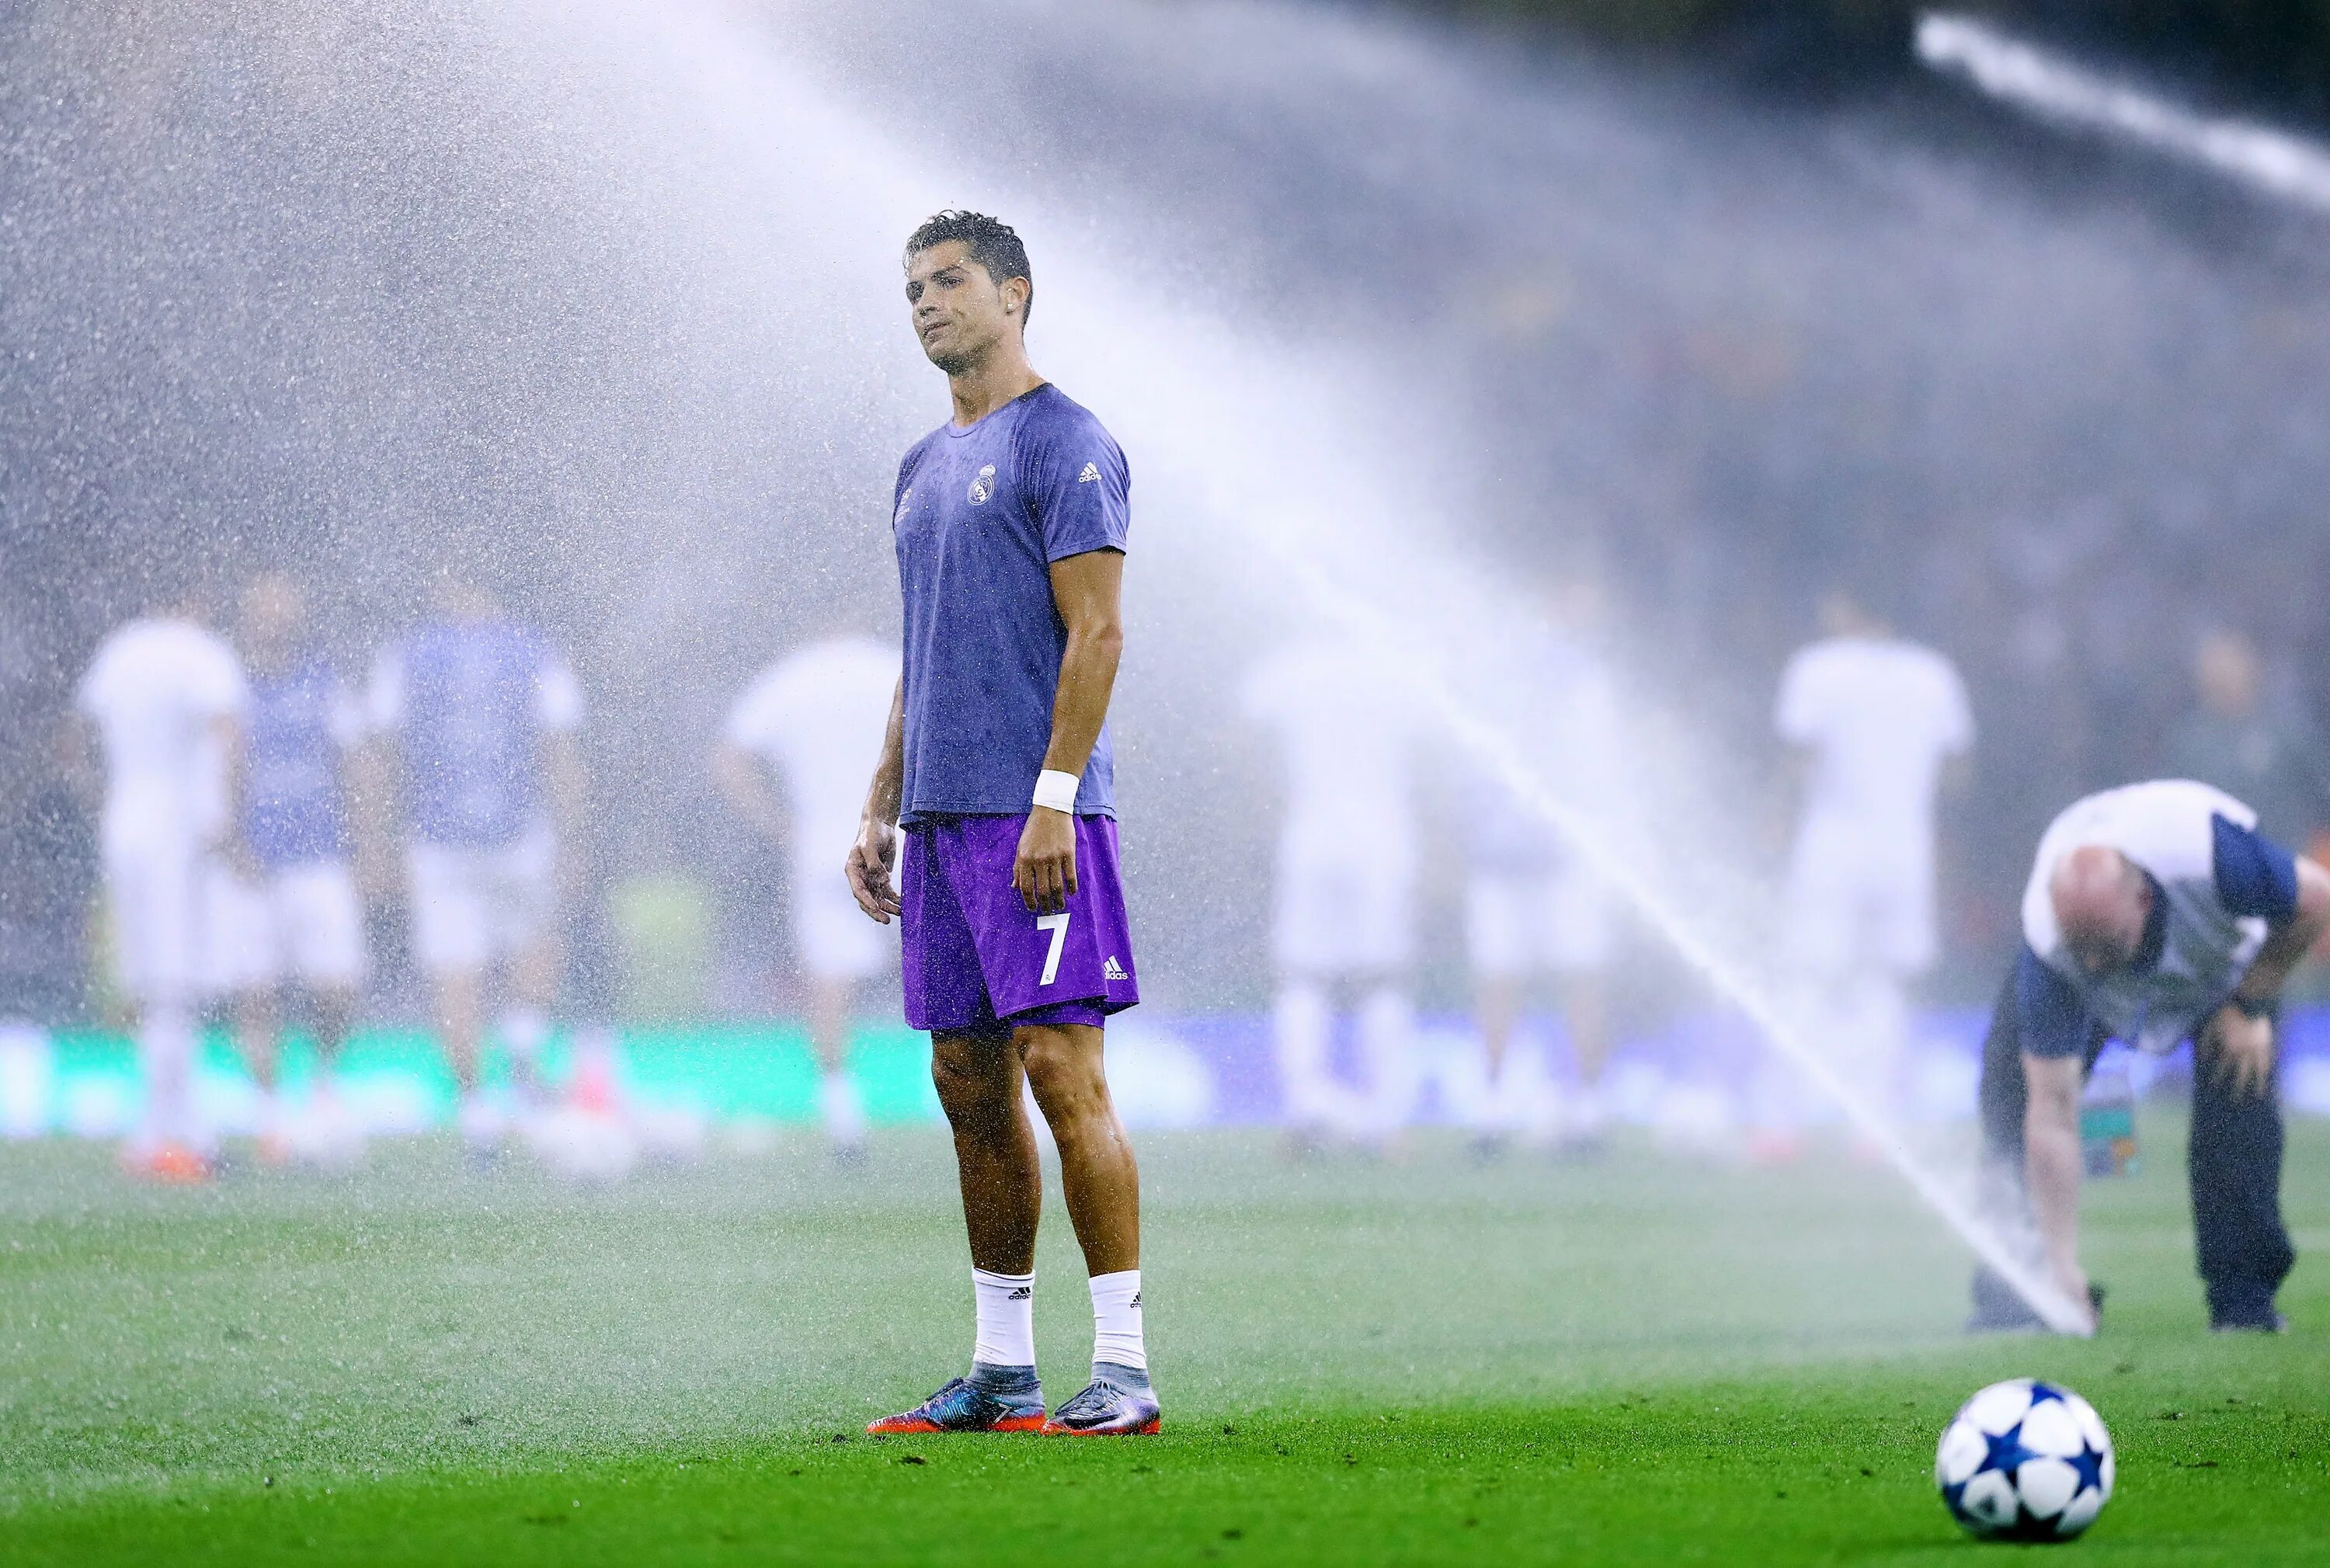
pixel 2233 1162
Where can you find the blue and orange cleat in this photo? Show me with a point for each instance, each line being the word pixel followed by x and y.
pixel 1105 1409
pixel 961 1407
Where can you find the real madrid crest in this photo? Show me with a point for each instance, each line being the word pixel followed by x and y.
pixel 983 486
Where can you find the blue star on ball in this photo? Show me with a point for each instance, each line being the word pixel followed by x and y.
pixel 2006 1450
pixel 2090 1463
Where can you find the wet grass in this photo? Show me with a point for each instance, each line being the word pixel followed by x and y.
pixel 1641 1359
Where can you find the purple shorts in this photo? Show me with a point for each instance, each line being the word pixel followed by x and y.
pixel 977 962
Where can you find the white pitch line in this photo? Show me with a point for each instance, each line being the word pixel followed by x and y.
pixel 2047 84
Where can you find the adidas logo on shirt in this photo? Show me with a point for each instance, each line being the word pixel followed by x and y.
pixel 1110 969
pixel 1091 475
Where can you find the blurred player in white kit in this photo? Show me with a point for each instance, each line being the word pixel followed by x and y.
pixel 1878 723
pixel 166 698
pixel 816 718
pixel 480 712
pixel 1530 909
pixel 291 911
pixel 1344 910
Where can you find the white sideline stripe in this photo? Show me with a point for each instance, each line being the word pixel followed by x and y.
pixel 2047 84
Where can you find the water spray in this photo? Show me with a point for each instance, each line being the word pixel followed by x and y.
pixel 1494 748
pixel 1222 425
pixel 2046 84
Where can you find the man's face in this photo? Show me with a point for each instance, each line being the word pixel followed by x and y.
pixel 2103 931
pixel 960 313
pixel 2226 670
pixel 459 597
pixel 272 619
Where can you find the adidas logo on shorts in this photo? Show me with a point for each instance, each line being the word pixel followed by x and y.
pixel 1112 970
pixel 1091 475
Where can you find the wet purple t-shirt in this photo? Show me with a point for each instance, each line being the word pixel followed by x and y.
pixel 978 518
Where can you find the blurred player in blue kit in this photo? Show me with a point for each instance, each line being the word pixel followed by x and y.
pixel 996 773
pixel 480 712
pixel 2156 914
pixel 291 913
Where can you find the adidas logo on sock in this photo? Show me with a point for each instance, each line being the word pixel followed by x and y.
pixel 1091 475
pixel 1110 969
pixel 1020 1293
pixel 1136 1297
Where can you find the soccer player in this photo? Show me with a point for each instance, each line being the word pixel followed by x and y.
pixel 815 717
pixel 291 911
pixel 1876 722
pixel 1530 909
pixel 997 772
pixel 2156 914
pixel 476 716
pixel 1344 905
pixel 167 699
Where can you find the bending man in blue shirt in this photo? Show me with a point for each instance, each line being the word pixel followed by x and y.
pixel 2156 914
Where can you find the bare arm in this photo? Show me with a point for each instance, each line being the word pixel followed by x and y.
pixel 2238 1048
pixel 877 849
pixel 370 774
pixel 227 734
pixel 2292 939
pixel 2051 1165
pixel 77 749
pixel 567 782
pixel 1088 590
pixel 743 783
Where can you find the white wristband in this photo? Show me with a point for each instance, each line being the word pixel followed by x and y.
pixel 1057 789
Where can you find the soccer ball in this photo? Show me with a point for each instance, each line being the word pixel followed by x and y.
pixel 2025 1461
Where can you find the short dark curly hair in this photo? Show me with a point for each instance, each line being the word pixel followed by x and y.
pixel 991 242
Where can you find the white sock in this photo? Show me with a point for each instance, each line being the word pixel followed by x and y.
pixel 1006 1304
pixel 166 1051
pixel 27 1076
pixel 1116 1320
pixel 482 1121
pixel 525 1031
pixel 1300 1026
pixel 1387 1039
pixel 845 1116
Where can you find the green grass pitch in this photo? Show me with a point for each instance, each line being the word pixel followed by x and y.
pixel 1642 1360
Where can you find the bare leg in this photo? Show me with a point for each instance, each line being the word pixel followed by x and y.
pixel 829 1023
pixel 331 1009
pixel 1498 1005
pixel 978 1083
pixel 533 977
pixel 458 1007
pixel 829 1040
pixel 1586 1009
pixel 259 1031
pixel 1097 1173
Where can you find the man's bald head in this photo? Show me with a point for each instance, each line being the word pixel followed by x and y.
pixel 2101 903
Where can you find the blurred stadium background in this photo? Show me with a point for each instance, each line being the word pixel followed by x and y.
pixel 1733 302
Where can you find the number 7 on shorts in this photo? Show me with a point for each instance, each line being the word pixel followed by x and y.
pixel 1058 924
